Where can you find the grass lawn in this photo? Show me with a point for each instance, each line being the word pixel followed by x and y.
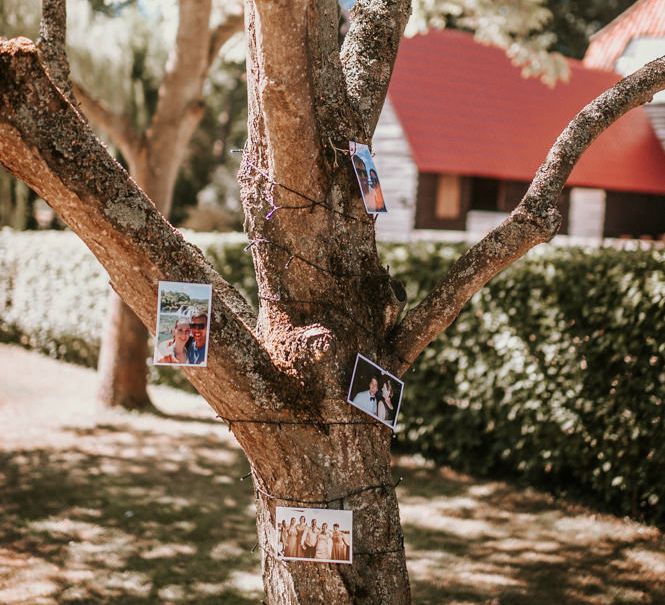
pixel 101 506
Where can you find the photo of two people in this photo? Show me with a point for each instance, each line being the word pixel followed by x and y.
pixel 314 534
pixel 183 326
pixel 375 391
pixel 368 178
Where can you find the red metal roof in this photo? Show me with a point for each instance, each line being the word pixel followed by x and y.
pixel 465 109
pixel 644 19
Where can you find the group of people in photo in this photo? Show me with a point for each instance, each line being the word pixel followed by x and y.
pixel 311 541
pixel 188 342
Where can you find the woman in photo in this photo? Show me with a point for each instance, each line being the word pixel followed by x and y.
pixel 173 351
pixel 283 537
pixel 386 408
pixel 291 548
pixel 323 543
pixel 339 545
pixel 301 527
pixel 375 190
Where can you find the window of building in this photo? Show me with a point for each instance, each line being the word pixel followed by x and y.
pixel 448 204
pixel 485 194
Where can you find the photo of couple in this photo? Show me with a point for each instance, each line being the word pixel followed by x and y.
pixel 375 391
pixel 368 179
pixel 182 324
pixel 314 534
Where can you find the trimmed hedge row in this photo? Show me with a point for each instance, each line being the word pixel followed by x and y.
pixel 554 371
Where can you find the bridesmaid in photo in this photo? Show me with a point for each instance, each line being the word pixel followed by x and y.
pixel 283 536
pixel 323 544
pixel 339 546
pixel 291 549
pixel 301 527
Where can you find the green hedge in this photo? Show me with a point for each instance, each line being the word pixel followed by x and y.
pixel 555 371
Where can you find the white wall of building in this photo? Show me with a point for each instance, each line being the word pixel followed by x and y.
pixel 586 217
pixel 398 175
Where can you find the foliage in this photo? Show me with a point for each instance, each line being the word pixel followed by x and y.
pixel 520 27
pixel 575 21
pixel 555 370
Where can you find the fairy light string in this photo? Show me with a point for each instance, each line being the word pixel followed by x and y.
pixel 311 204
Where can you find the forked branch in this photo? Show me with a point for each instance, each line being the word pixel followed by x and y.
pixel 534 221
pixel 45 142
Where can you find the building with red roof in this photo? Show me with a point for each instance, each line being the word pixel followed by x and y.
pixel 644 20
pixel 463 133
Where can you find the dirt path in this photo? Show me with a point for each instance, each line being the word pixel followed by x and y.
pixel 99 506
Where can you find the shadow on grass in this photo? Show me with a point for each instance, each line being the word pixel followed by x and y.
pixel 127 517
pixel 471 541
pixel 147 511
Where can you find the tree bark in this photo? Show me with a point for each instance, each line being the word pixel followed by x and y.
pixel 319 465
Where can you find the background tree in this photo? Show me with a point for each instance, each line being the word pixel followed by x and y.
pixel 139 72
pixel 280 376
pixel 154 155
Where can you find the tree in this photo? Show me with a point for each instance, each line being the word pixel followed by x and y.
pixel 280 376
pixel 154 157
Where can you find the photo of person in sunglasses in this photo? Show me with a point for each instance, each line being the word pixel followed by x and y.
pixel 181 335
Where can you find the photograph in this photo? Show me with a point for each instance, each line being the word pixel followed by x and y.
pixel 375 391
pixel 368 178
pixel 182 331
pixel 314 534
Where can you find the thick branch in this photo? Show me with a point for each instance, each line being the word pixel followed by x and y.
pixel 52 45
pixel 46 143
pixel 368 55
pixel 117 127
pixel 534 221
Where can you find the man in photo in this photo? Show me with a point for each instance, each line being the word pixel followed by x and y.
pixel 196 347
pixel 367 400
pixel 310 538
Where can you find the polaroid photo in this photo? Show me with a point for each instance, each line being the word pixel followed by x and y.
pixel 368 179
pixel 314 534
pixel 375 391
pixel 183 325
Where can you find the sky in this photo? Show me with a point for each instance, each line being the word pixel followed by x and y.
pixel 195 291
pixel 326 515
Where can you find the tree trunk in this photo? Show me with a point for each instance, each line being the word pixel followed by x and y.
pixel 154 163
pixel 337 466
pixel 124 351
pixel 122 359
pixel 20 217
